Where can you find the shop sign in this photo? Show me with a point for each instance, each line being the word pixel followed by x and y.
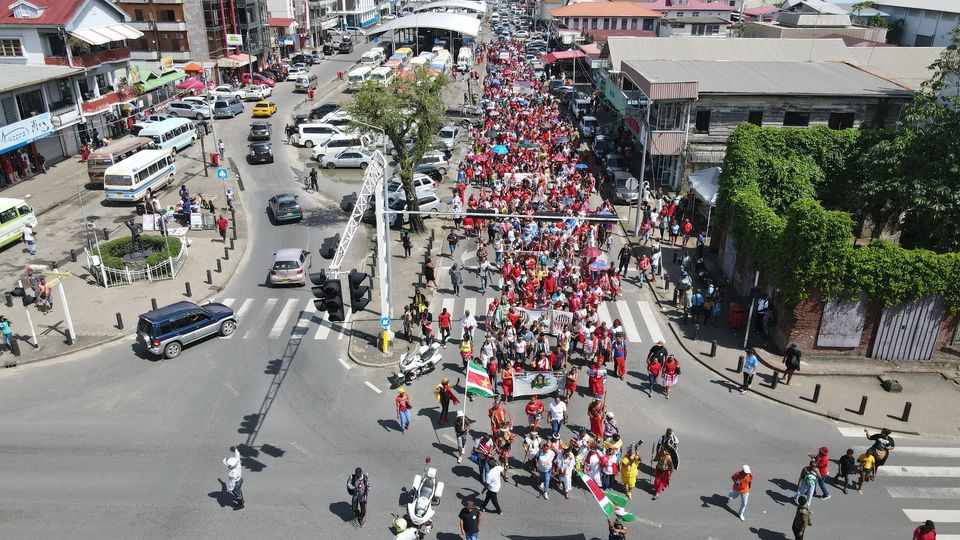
pixel 234 40
pixel 25 131
pixel 166 63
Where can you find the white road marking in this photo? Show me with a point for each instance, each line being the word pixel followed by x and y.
pixel 267 308
pixel 306 315
pixel 231 389
pixel 345 365
pixel 851 432
pixel 630 327
pixel 343 325
pixel 920 471
pixel 228 301
pixel 656 524
pixel 372 387
pixel 300 448
pixel 449 304
pixel 241 312
pixel 921 451
pixel 937 516
pixel 923 492
pixel 282 319
pixel 603 312
pixel 646 313
pixel 323 327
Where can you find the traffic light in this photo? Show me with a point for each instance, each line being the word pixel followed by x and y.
pixel 318 279
pixel 358 291
pixel 329 248
pixel 333 300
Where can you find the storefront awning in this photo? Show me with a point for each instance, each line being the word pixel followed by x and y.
pixel 99 35
pixel 193 67
pixel 564 55
pixel 157 82
pixel 234 61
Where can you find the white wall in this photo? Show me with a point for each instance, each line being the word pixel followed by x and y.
pixel 928 23
pixel 30 43
pixel 95 14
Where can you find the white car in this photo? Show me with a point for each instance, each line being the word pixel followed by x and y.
pixel 201 100
pixel 225 90
pixel 589 125
pixel 522 34
pixel 349 158
pixel 315 135
pixel 422 185
pixel 295 74
pixel 449 136
pixel 256 92
pixel 435 161
pixel 189 109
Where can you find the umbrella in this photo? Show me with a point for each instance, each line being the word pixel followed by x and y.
pixel 499 149
pixel 591 252
pixel 495 82
pixel 527 145
pixel 582 165
pixel 560 159
pixel 562 139
pixel 599 265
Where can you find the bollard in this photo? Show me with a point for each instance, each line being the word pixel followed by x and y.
pixel 119 321
pixel 106 234
pixel 666 283
pixel 189 291
pixel 73 255
pixel 69 337
pixel 696 331
pixel 209 277
pixel 906 412
pixel 9 299
pixel 219 266
pixel 713 349
pixel 54 265
pixel 226 254
pixel 153 303
pixel 863 406
pixel 775 381
pixel 816 393
pixel 740 364
pixel 231 243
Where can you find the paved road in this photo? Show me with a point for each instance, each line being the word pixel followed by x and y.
pixel 107 443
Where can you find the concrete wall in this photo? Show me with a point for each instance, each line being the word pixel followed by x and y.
pixel 31 44
pixel 918 21
pixel 755 29
pixel 196 31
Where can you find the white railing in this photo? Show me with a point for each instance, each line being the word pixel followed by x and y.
pixel 114 277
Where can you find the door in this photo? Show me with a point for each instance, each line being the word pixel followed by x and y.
pixel 909 331
pixel 197 326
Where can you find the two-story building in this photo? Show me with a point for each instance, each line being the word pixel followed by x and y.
pixel 173 28
pixel 65 65
pixel 920 23
pixel 585 16
pixel 691 18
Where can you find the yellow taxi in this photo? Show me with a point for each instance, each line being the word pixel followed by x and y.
pixel 264 109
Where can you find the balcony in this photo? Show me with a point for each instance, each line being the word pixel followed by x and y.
pixel 92 59
pixel 105 101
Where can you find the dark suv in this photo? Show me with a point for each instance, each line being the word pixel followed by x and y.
pixel 165 331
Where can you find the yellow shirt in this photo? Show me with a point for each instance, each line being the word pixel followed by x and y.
pixel 466 347
pixel 867 461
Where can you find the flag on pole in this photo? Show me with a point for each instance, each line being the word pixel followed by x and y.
pixel 609 508
pixel 478 380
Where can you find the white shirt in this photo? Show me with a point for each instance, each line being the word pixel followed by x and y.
pixel 557 410
pixel 469 322
pixel 234 473
pixel 545 460
pixel 28 234
pixel 493 478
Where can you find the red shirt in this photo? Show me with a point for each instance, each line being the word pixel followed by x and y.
pixel 534 407
pixel 444 320
pixel 823 463
pixel 918 534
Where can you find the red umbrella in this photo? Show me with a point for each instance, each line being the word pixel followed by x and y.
pixel 591 252
pixel 560 159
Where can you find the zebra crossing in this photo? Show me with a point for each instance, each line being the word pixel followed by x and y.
pixel 922 479
pixel 282 318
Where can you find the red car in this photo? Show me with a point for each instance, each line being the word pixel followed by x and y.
pixel 257 78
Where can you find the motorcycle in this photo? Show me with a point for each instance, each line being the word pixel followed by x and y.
pixel 413 365
pixel 426 493
pixel 404 531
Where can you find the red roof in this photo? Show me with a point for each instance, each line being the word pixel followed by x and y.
pixel 56 13
pixel 691 5
pixel 760 10
pixel 602 35
pixel 281 22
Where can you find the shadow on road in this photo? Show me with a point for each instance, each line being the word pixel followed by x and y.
pixel 344 510
pixel 223 497
pixel 767 534
pixel 389 425
pixel 719 501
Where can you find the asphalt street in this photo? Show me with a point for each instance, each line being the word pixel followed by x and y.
pixel 108 443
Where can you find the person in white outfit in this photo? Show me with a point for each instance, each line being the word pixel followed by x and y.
pixel 235 485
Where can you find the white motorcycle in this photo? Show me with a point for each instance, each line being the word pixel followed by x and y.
pixel 413 365
pixel 426 493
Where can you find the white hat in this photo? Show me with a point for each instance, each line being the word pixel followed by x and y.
pixel 459 413
pixel 746 469
pixel 231 462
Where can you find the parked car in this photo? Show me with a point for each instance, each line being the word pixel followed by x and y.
pixel 256 92
pixel 589 125
pixel 316 56
pixel 422 185
pixel 301 59
pixel 188 109
pixel 612 163
pixel 201 100
pixel 323 110
pixel 602 145
pixel 626 187
pixel 284 207
pixel 256 78
pixel 227 107
pixel 260 152
pixel 338 143
pixel 225 90
pixel 428 202
pixel 290 267
pixel 295 73
pixel 350 158
pixel 433 161
pixel 522 34
pixel 259 131
pixel 345 47
pixel 151 118
pixel 165 331
pixel 579 107
pixel 449 136
pixel 274 73
pixel 264 109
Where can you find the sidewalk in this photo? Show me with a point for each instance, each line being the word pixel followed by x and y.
pixel 93 308
pixel 843 382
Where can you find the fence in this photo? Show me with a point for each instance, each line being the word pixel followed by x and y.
pixel 115 277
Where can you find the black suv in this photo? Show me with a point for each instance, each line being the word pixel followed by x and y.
pixel 345 47
pixel 165 331
pixel 260 152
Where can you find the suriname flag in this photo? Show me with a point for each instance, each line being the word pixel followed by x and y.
pixel 478 380
pixel 609 507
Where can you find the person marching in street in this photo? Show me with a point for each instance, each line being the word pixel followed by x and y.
pixel 445 395
pixel 670 374
pixel 597 375
pixel 455 279
pixel 802 519
pixel 595 412
pixel 927 531
pixel 882 445
pixel 469 520
pixel 491 486
pixel 658 353
pixel 608 467
pixel 545 468
pixel 482 454
pixel 610 427
pixel 557 409
pixel 749 370
pixel 358 486
pixel 846 466
pixel 791 362
pixel 662 471
pixel 444 322
pixel 866 463
pixel 502 444
pixel 823 467
pixel 469 323
pixel 807 482
pixel 452 242
pixel 426 327
pixel 466 351
pixel 623 260
pixel 506 384
pixel 668 439
pixel 534 410
pixel 403 406
pixel 629 468
pixel 620 356
pixel 498 415
pixel 571 383
pixel 429 273
pixel 461 428
pixel 741 488
pixel 566 463
pixel 235 477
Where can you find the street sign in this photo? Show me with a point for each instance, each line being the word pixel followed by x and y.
pixel 632 184
pixel 385 322
pixel 222 173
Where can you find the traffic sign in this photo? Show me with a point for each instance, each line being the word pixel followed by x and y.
pixel 222 173
pixel 385 322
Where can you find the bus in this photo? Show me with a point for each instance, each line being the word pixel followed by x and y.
pixel 172 134
pixel 15 215
pixel 115 152
pixel 139 176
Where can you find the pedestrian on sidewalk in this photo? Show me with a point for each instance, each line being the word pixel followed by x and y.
pixel 455 279
pixel 927 531
pixel 220 147
pixel 624 260
pixel 749 369
pixel 741 488
pixel 235 477
pixel 429 273
pixel 6 333
pixel 791 361
pixel 670 374
pixel 408 322
pixel 30 239
pixel 846 466
pixel 686 229
pixel 443 320
pixel 470 522
pixel 452 242
pixel 823 467
pixel 802 519
pixel 807 482
pixel 403 405
pixel 358 486
pixel 445 395
pixel 407 244
pixel 492 481
pixel 222 228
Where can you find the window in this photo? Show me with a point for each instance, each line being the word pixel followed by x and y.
pixel 57 45
pixel 168 16
pixel 606 23
pixel 10 47
pixel 703 122
pixel 796 119
pixel 31 103
pixel 593 23
pixel 633 24
pixel 923 41
pixel 60 94
pixel 8 215
pixel 755 118
pixel 138 15
pixel 695 14
pixel 840 120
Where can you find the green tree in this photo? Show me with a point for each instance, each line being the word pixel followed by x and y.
pixel 410 112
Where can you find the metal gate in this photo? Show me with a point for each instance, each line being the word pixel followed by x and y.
pixel 909 331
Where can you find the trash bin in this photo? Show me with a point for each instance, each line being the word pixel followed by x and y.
pixel 340 75
pixel 310 93
pixel 735 315
pixel 215 158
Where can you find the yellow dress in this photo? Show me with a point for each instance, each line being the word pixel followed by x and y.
pixel 628 471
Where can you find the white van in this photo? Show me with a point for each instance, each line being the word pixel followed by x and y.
pixel 370 59
pixel 15 215
pixel 357 77
pixel 306 82
pixel 382 76
pixel 380 52
pixel 311 135
pixel 465 59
